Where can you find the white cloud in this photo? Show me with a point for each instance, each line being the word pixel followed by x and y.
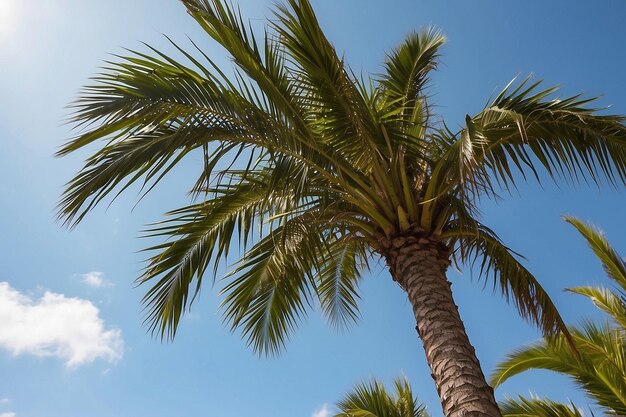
pixel 56 325
pixel 8 415
pixel 4 401
pixel 94 279
pixel 322 411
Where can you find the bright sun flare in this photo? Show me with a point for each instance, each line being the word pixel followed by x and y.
pixel 8 18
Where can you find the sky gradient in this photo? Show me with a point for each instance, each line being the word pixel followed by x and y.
pixel 72 342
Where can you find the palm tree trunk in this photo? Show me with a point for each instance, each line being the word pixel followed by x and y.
pixel 419 265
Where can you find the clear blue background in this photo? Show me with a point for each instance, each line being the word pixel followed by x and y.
pixel 58 44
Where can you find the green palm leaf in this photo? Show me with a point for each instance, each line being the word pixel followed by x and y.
pixel 199 235
pixel 372 400
pixel 606 300
pixel 524 127
pixel 408 65
pixel 337 283
pixel 613 264
pixel 599 367
pixel 476 244
pixel 272 285
pixel 536 407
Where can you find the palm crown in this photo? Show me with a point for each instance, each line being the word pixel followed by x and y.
pixel 334 166
pixel 311 170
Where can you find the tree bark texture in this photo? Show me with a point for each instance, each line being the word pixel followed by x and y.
pixel 419 265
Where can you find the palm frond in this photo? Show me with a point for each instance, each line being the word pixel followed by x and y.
pixel 407 69
pixel 615 267
pixel 371 399
pixel 198 235
pixel 475 243
pixel 537 407
pixel 599 369
pixel 523 130
pixel 153 112
pixel 342 119
pixel 152 90
pixel 606 300
pixel 571 141
pixel 264 66
pixel 612 262
pixel 337 282
pixel 273 284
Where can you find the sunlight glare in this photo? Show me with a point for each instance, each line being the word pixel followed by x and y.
pixel 8 19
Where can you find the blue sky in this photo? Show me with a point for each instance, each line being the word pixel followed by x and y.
pixel 71 338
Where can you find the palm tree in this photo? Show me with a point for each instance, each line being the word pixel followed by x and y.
pixel 599 367
pixel 372 400
pixel 314 171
